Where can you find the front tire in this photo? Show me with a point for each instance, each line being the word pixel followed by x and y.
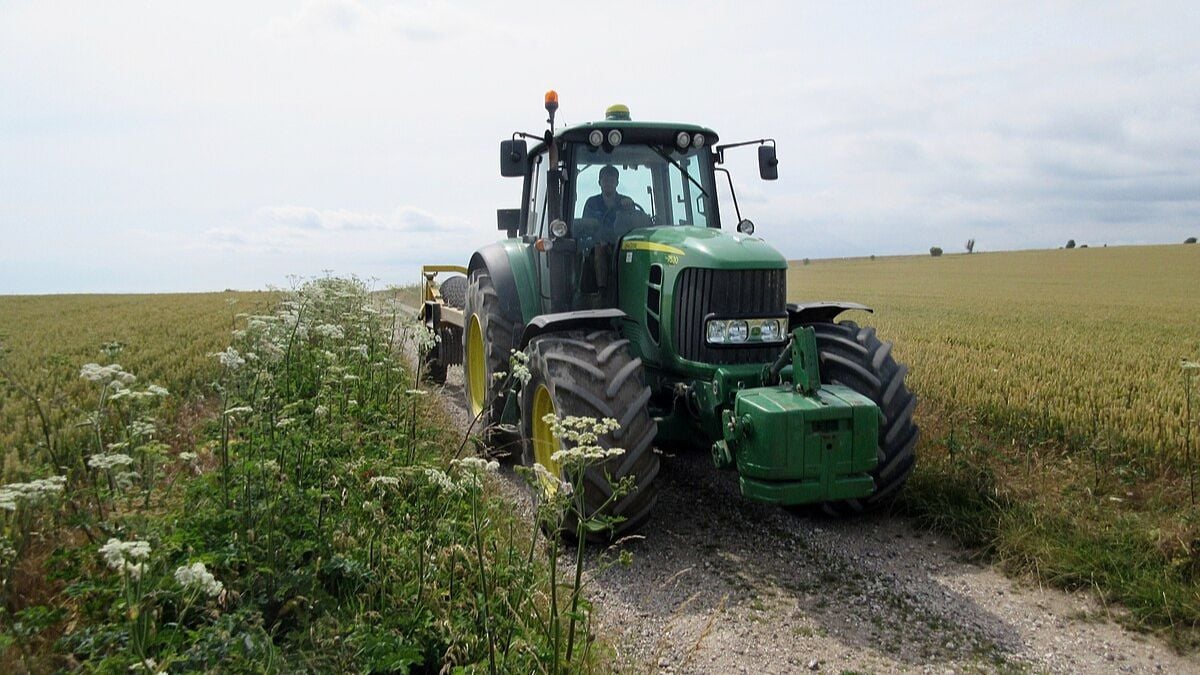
pixel 857 358
pixel 594 375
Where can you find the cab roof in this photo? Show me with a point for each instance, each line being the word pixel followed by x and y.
pixel 636 131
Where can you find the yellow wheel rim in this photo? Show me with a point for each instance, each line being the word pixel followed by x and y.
pixel 544 442
pixel 476 366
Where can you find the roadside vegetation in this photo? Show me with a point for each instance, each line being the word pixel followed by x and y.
pixel 278 499
pixel 1057 437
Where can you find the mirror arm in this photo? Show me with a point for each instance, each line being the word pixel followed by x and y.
pixel 732 193
pixel 722 148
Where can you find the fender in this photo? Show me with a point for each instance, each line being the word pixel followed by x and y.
pixel 562 321
pixel 819 312
pixel 510 269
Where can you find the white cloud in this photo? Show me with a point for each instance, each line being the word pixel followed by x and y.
pixel 416 21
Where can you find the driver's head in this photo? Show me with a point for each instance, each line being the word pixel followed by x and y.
pixel 609 177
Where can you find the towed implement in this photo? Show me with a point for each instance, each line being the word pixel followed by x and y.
pixel 630 300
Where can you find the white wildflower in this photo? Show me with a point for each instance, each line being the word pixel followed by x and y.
pixel 197 577
pixel 473 468
pixel 33 492
pixel 438 478
pixel 109 460
pixel 134 570
pixel 188 457
pixel 415 392
pixel 519 363
pixel 149 665
pixel 125 479
pixel 158 391
pixel 425 338
pixel 230 358
pixel 385 481
pixel 106 375
pixel 237 410
pixel 361 350
pixel 120 555
pixel 321 410
pixel 330 330
pixel 142 428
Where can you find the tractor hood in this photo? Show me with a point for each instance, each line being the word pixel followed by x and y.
pixel 691 246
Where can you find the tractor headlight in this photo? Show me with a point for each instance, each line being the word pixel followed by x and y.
pixel 682 139
pixel 739 331
pixel 558 228
pixel 614 137
pixel 716 331
pixel 596 138
pixel 698 141
pixel 769 330
pixel 743 331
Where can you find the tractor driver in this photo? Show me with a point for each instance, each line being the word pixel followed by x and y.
pixel 605 206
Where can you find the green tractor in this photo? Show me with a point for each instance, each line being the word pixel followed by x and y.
pixel 630 301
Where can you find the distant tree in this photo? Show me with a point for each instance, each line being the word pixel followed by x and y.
pixel 1083 246
pixel 1070 243
pixel 1189 240
pixel 935 251
pixel 970 246
pixel 872 256
pixel 807 261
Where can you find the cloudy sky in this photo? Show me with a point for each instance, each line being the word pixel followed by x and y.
pixel 159 146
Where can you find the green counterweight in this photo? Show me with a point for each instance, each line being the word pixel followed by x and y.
pixel 801 442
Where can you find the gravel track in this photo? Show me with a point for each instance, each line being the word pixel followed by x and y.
pixel 719 584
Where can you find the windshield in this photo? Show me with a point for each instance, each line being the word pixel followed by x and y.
pixel 668 186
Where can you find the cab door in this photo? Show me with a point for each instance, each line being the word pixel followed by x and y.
pixel 537 227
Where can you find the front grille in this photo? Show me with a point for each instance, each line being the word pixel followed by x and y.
pixel 700 292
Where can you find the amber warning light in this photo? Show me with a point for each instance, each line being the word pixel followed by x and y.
pixel 552 100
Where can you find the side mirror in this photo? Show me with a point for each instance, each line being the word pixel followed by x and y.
pixel 768 165
pixel 508 220
pixel 514 157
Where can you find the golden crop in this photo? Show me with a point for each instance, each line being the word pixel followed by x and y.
pixel 46 339
pixel 1078 346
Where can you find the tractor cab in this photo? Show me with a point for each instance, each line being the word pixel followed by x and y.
pixel 588 186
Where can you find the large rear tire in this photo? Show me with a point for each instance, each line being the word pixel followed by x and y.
pixel 594 375
pixel 855 357
pixel 454 291
pixel 487 341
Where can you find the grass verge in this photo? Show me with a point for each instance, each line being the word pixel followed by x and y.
pixel 315 520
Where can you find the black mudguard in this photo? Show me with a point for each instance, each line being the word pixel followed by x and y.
pixel 596 319
pixel 819 312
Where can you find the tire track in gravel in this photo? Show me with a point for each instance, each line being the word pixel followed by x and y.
pixel 719 584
